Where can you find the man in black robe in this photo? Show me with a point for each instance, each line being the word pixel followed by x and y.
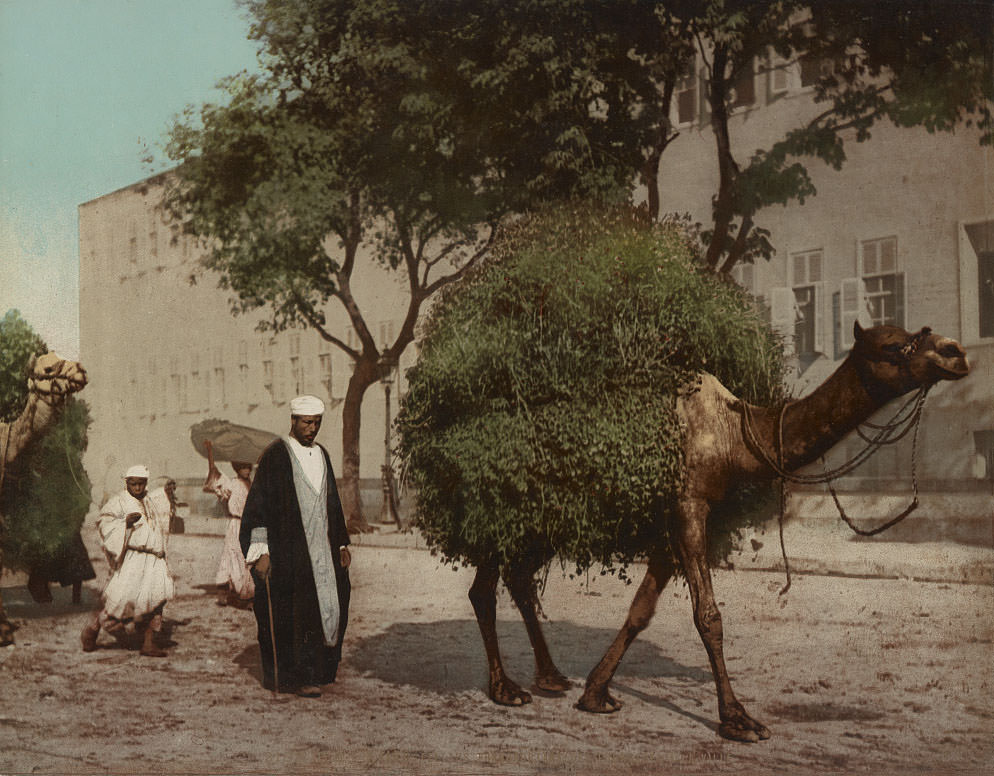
pixel 293 534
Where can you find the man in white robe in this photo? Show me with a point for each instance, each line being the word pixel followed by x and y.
pixel 133 528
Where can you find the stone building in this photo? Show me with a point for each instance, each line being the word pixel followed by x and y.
pixel 164 351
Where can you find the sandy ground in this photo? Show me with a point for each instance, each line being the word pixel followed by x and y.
pixel 874 676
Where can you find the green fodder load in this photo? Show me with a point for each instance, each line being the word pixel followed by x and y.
pixel 541 416
pixel 46 491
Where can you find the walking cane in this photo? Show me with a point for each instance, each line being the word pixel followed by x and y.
pixel 272 636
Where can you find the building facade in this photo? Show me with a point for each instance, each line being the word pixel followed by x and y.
pixel 902 234
pixel 164 350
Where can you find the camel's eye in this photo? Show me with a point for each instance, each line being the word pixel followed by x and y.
pixel 893 347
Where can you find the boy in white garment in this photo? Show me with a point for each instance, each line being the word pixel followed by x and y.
pixel 133 529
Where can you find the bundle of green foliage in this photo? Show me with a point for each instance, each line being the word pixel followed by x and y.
pixel 541 413
pixel 46 491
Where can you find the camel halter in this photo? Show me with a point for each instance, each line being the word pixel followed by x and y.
pixel 61 386
pixel 886 434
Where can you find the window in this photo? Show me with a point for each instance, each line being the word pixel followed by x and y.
pixel 976 247
pixel 267 376
pixel 243 367
pixel 133 243
pixel 153 234
pixel 744 273
pixel 743 92
pixel 219 385
pixel 386 333
pixel 779 74
pixel 883 285
pixel 296 374
pixel 686 97
pixel 985 276
pixel 325 365
pixel 806 283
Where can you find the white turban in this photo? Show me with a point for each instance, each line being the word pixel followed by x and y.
pixel 137 471
pixel 306 405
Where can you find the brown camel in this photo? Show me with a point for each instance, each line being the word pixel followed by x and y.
pixel 885 363
pixel 51 380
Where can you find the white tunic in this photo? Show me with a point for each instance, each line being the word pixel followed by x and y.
pixel 142 582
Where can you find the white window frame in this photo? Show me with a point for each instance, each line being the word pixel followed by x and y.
pixel 896 270
pixel 815 280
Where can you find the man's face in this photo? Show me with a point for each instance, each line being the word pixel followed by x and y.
pixel 304 428
pixel 136 486
pixel 242 470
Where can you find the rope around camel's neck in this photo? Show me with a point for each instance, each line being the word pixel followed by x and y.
pixel 906 418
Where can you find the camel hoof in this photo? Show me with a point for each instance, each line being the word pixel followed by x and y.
pixel 598 703
pixel 736 731
pixel 6 634
pixel 554 684
pixel 510 695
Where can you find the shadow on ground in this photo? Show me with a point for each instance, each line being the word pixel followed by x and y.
pixel 447 656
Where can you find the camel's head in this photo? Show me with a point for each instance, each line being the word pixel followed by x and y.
pixel 902 362
pixel 53 378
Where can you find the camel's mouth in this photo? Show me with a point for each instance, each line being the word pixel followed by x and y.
pixel 953 371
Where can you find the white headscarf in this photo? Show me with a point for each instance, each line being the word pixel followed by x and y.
pixel 306 405
pixel 138 470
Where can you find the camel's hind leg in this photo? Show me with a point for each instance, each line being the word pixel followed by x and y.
pixel 483 595
pixel 690 539
pixel 596 697
pixel 520 581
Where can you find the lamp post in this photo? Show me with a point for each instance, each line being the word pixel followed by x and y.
pixel 387 510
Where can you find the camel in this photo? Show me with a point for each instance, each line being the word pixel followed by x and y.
pixel 51 380
pixel 720 448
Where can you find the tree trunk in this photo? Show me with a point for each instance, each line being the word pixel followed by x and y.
pixel 727 169
pixel 365 375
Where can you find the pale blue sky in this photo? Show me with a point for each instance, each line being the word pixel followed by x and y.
pixel 87 88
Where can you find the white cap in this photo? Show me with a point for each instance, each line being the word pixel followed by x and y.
pixel 306 405
pixel 138 471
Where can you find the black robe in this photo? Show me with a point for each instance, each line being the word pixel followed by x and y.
pixel 302 656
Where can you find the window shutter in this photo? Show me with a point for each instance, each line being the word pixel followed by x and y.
pixel 782 315
pixel 821 328
pixel 900 302
pixel 852 307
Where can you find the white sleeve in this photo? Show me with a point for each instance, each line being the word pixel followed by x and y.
pixel 255 551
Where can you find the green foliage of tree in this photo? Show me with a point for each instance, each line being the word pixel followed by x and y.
pixel 46 493
pixel 912 64
pixel 18 343
pixel 541 414
pixel 405 132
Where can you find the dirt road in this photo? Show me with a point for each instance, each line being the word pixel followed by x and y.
pixel 873 676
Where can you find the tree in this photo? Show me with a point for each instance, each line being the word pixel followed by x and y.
pixel 20 343
pixel 911 63
pixel 405 131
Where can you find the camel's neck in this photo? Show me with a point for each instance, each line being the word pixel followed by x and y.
pixel 37 416
pixel 814 424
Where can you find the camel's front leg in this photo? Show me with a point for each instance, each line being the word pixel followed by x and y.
pixel 596 697
pixel 483 595
pixel 689 533
pixel 520 581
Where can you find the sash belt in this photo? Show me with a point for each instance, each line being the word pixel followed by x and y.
pixel 156 553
